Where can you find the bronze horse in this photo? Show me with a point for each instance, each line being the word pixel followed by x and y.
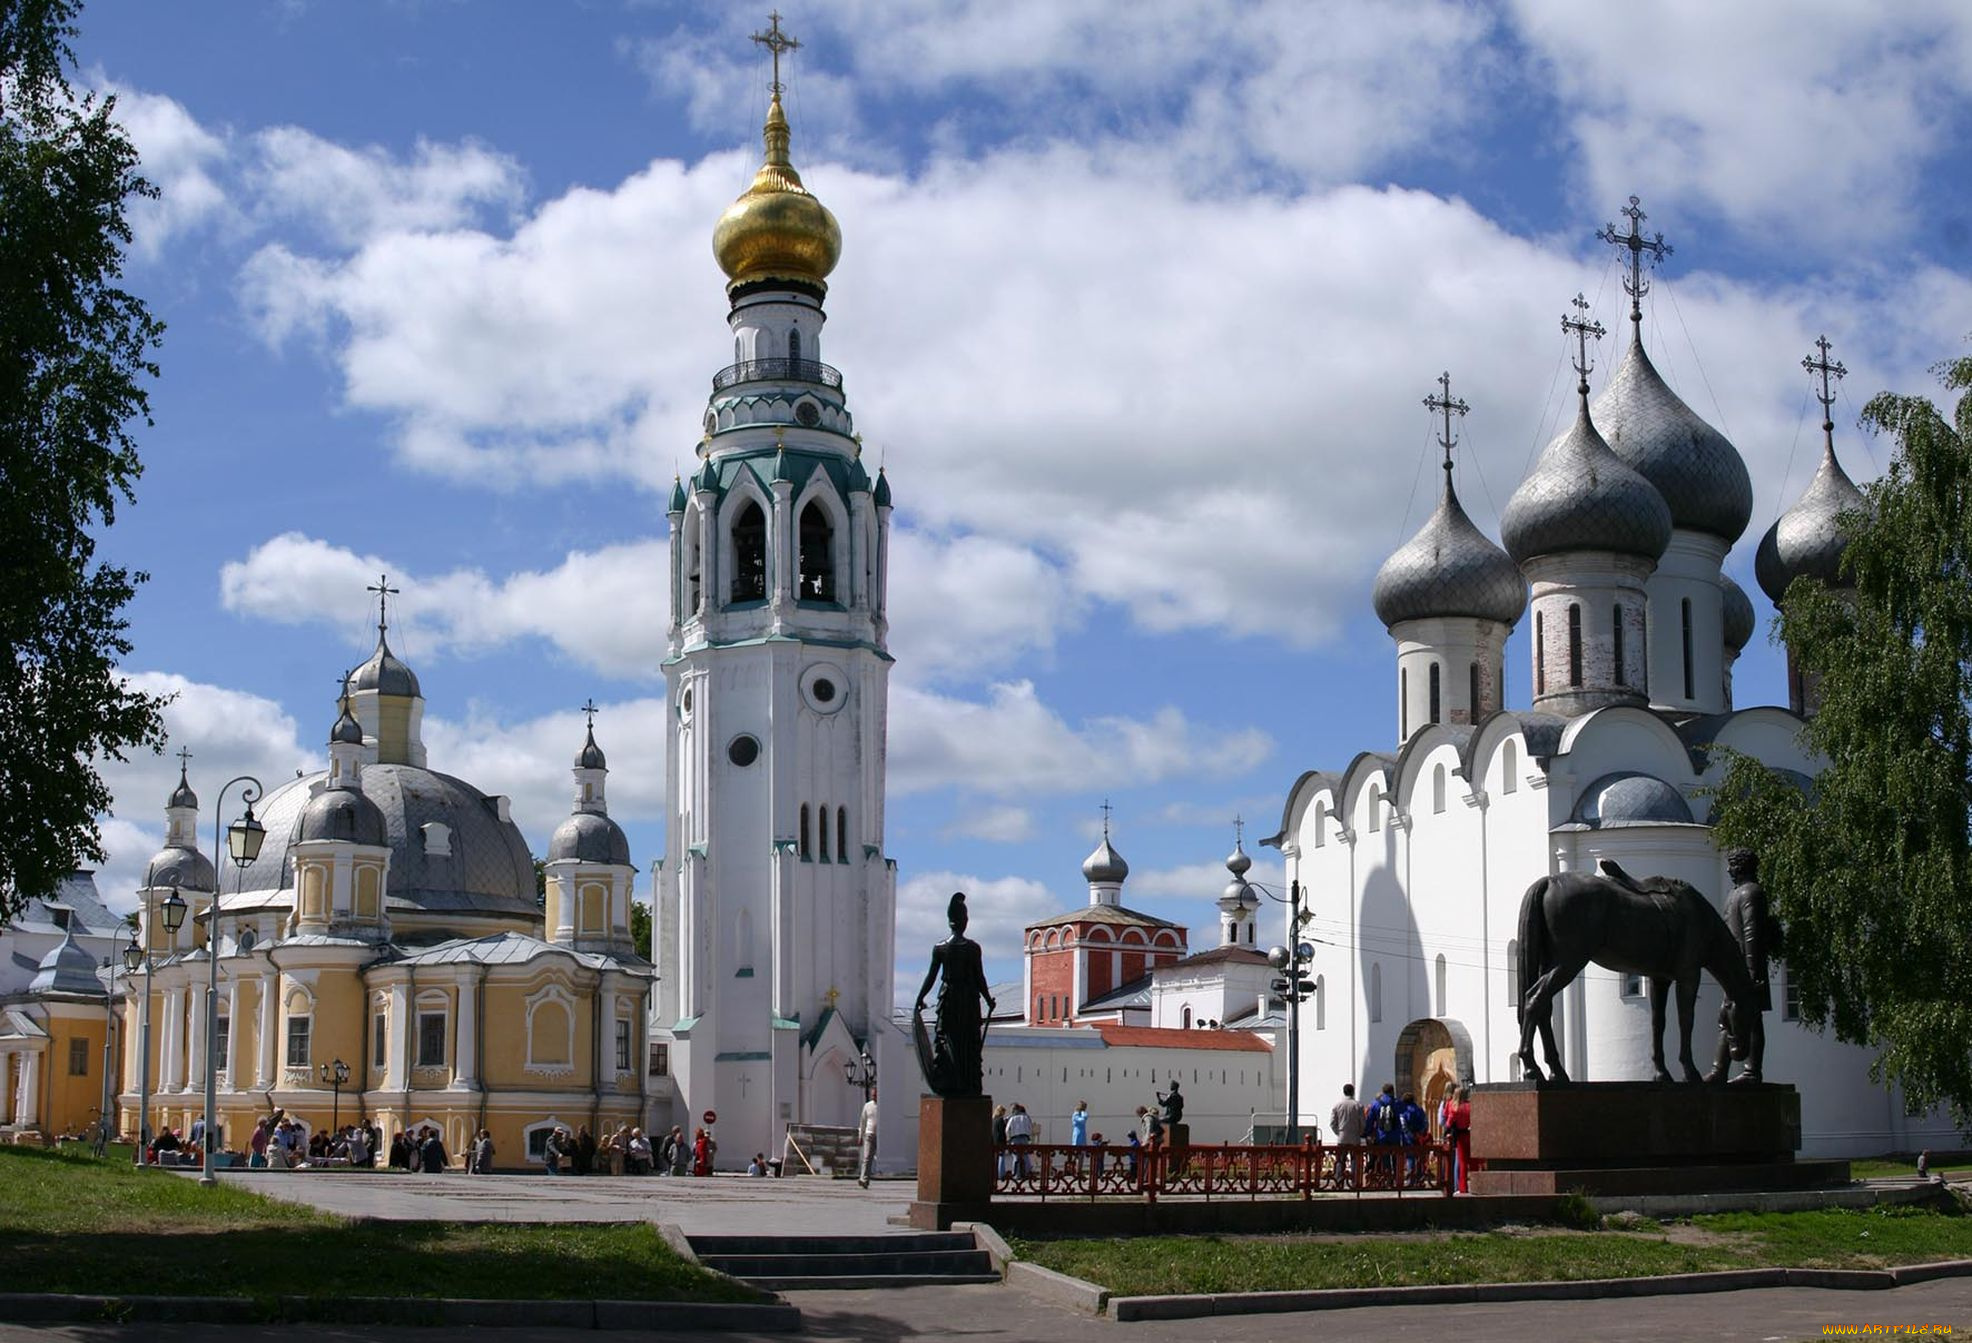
pixel 1657 927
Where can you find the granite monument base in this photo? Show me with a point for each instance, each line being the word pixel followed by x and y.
pixel 1640 1138
pixel 955 1161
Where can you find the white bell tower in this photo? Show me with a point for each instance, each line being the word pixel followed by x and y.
pixel 776 904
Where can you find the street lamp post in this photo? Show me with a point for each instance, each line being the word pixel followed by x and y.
pixel 129 956
pixel 861 1072
pixel 172 907
pixel 243 839
pixel 336 1075
pixel 1293 988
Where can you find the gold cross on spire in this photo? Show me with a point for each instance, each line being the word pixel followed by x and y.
pixel 777 42
pixel 384 592
pixel 1827 370
pixel 833 996
pixel 1582 328
pixel 1451 406
pixel 1634 284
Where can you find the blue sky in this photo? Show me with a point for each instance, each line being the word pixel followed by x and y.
pixel 1137 303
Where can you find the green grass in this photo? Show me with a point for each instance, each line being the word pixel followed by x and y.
pixel 1905 1168
pixel 74 1224
pixel 1205 1264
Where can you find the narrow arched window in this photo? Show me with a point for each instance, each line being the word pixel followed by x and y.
pixel 1616 619
pixel 1574 644
pixel 1684 614
pixel 1436 695
pixel 1472 693
pixel 1376 991
pixel 842 834
pixel 1540 654
pixel 1509 769
pixel 794 344
pixel 817 555
pixel 749 554
pixel 1403 702
pixel 1321 824
pixel 823 828
pixel 1439 968
pixel 1187 1016
pixel 1513 973
pixel 803 849
pixel 1437 788
pixel 1321 1002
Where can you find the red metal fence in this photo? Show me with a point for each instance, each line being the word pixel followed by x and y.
pixel 1047 1170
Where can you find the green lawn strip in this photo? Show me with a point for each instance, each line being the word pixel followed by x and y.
pixel 74 1224
pixel 1905 1168
pixel 1196 1265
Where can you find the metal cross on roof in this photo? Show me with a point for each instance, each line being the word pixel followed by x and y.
pixel 1582 328
pixel 184 754
pixel 342 685
pixel 1106 809
pixel 384 592
pixel 1827 370
pixel 777 42
pixel 1451 406
pixel 589 711
pixel 1634 284
pixel 1239 830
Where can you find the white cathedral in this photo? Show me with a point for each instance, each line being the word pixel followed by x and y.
pixel 1414 858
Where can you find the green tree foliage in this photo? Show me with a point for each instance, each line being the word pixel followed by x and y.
pixel 74 354
pixel 1871 873
pixel 640 927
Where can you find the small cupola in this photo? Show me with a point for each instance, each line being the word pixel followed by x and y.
pixel 385 697
pixel 1105 870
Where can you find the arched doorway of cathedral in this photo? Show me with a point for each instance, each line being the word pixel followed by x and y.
pixel 831 1100
pixel 1433 1055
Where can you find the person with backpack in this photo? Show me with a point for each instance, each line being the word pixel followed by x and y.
pixel 1385 1128
pixel 1414 1131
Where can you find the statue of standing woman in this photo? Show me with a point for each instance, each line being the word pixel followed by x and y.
pixel 951 1055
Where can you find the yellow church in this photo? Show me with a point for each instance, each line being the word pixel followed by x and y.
pixel 388 954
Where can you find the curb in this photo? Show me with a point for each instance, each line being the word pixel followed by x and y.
pixel 665 1316
pixel 1131 1308
pixel 989 1240
pixel 1058 1289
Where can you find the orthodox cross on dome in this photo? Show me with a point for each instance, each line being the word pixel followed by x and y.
pixel 1582 328
pixel 384 592
pixel 833 996
pixel 1826 370
pixel 1239 830
pixel 1106 809
pixel 184 754
pixel 589 712
pixel 1450 406
pixel 342 685
pixel 777 42
pixel 1634 284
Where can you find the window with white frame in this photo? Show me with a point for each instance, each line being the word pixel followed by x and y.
pixel 622 1045
pixel 300 1028
pixel 379 1041
pixel 431 1039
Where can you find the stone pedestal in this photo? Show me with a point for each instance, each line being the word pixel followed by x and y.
pixel 955 1161
pixel 1177 1136
pixel 1640 1138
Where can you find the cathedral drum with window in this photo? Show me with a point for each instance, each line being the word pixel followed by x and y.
pixel 775 903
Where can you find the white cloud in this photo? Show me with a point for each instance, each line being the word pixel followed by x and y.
pixel 997 825
pixel 1811 121
pixel 229 733
pixel 1013 744
pixel 999 907
pixel 1197 883
pixel 529 761
pixel 351 195
pixel 604 609
pixel 183 159
pixel 962 608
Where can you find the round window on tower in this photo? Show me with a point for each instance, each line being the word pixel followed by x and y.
pixel 824 688
pixel 808 413
pixel 744 750
pixel 685 707
pixel 711 422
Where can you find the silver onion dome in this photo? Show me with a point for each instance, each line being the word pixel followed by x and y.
pixel 1694 467
pixel 1449 569
pixel 1806 540
pixel 1739 623
pixel 591 755
pixel 177 865
pixel 182 795
pixel 346 730
pixel 1105 865
pixel 590 837
pixel 385 673
pixel 343 814
pixel 1582 496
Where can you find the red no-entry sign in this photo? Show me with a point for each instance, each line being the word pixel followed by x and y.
pixel 711 1116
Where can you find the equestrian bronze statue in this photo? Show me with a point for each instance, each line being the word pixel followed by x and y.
pixel 1657 927
pixel 952 1056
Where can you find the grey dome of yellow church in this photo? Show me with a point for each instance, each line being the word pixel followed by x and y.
pixel 390 917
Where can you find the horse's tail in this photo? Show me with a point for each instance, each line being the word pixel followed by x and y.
pixel 1533 943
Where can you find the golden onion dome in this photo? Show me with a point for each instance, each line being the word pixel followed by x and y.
pixel 776 230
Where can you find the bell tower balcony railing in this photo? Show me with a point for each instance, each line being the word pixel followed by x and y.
pixel 776 370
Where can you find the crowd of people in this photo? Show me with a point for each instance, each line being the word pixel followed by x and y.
pixel 1401 1123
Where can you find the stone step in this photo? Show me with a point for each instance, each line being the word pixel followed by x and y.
pixel 916 1243
pixel 752 1266
pixel 875 1283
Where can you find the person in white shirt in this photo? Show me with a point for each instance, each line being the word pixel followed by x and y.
pixel 866 1135
pixel 1020 1133
pixel 1347 1121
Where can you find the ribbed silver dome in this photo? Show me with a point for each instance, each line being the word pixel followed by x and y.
pixel 342 814
pixel 1806 540
pixel 1237 862
pixel 1700 474
pixel 1105 865
pixel 591 755
pixel 192 869
pixel 1449 569
pixel 1631 799
pixel 182 795
pixel 1582 496
pixel 1739 621
pixel 589 837
pixel 347 730
pixel 385 673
